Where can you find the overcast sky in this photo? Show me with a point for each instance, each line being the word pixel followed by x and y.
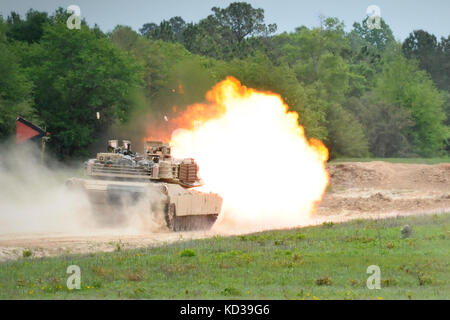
pixel 403 16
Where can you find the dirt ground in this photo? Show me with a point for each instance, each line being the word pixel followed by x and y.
pixel 357 191
pixel 382 188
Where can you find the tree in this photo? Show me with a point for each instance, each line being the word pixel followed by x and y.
pixel 226 33
pixel 385 125
pixel 242 20
pixel 424 47
pixel 365 62
pixel 75 75
pixel 148 28
pixel 345 134
pixel 178 26
pixel 401 83
pixel 432 56
pixel 171 30
pixel 124 37
pixel 15 91
pixel 30 30
pixel 442 77
pixel 446 95
pixel 206 38
pixel 379 38
pixel 3 29
pixel 157 57
pixel 316 57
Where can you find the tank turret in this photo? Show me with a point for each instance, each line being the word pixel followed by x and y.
pixel 156 163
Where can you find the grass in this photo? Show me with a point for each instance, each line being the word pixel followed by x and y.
pixel 396 160
pixel 27 253
pixel 322 262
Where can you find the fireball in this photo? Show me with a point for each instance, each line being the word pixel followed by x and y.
pixel 252 151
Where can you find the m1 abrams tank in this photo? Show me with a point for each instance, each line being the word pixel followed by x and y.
pixel 119 179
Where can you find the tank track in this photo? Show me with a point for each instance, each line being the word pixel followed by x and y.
pixel 188 223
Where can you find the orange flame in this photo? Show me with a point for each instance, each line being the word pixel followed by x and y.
pixel 192 116
pixel 252 151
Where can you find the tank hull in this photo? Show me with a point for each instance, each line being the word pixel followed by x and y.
pixel 180 208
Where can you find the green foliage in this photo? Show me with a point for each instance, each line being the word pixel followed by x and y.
pixel 345 134
pixel 432 56
pixel 15 91
pixel 187 253
pixel 385 125
pixel 30 30
pixel 171 30
pixel 315 56
pixel 420 44
pixel 162 32
pixel 240 20
pixel 173 79
pixel 401 83
pixel 446 107
pixel 360 92
pixel 205 39
pixel 442 76
pixel 27 253
pixel 75 75
pixel 3 29
pixel 224 34
pixel 379 38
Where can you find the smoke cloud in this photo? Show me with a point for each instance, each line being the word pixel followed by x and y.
pixel 34 198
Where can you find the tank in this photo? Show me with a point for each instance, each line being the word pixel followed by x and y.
pixel 119 179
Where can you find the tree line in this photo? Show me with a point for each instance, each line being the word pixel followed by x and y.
pixel 361 92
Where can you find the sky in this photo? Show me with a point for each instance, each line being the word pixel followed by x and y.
pixel 403 16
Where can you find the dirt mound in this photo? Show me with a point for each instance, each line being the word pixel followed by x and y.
pixel 389 176
pixel 380 187
pixel 349 175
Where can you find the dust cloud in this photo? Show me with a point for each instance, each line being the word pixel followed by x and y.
pixel 35 199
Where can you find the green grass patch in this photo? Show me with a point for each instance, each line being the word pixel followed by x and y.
pixel 27 253
pixel 187 253
pixel 321 262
